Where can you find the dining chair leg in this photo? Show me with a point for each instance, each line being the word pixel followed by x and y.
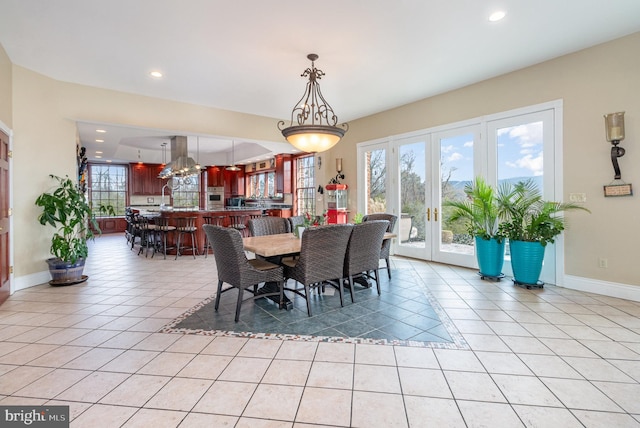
pixel 307 294
pixel 239 303
pixel 350 282
pixel 218 295
pixel 376 275
pixel 388 267
pixel 341 292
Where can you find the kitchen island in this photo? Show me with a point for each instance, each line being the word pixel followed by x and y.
pixel 199 216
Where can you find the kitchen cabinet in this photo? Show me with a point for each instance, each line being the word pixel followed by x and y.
pixel 283 173
pixel 215 176
pixel 284 213
pixel 112 224
pixel 233 183
pixel 143 179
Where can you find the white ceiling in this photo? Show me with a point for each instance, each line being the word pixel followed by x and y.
pixel 247 55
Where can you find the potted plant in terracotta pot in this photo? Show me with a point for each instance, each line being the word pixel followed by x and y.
pixel 481 212
pixel 530 223
pixel 66 209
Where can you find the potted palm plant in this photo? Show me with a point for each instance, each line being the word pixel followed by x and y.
pixel 530 223
pixel 67 209
pixel 481 212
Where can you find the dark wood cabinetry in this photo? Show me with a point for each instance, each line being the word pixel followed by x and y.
pixel 283 173
pixel 112 224
pixel 144 179
pixel 215 176
pixel 233 183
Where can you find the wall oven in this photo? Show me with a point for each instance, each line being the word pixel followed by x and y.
pixel 215 198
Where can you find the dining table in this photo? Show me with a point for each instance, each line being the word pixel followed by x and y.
pixel 281 245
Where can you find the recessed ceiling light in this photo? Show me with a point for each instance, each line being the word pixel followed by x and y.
pixel 497 16
pixel 98 157
pixel 99 141
pixel 108 160
pixel 102 131
pixel 155 74
pixel 98 152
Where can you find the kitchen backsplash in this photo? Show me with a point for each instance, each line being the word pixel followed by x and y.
pixel 142 200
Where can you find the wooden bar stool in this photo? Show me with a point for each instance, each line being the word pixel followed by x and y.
pixel 161 230
pixel 184 226
pixel 239 222
pixel 217 220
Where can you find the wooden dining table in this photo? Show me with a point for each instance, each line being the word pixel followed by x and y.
pixel 280 244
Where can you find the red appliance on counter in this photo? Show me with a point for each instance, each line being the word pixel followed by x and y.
pixel 336 203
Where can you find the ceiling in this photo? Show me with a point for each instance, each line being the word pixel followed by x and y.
pixel 247 55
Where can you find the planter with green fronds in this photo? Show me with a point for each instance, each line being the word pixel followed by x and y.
pixel 530 223
pixel 66 209
pixel 481 212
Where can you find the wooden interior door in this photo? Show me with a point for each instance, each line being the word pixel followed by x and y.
pixel 5 265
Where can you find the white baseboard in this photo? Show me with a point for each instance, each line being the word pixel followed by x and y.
pixel 606 288
pixel 30 280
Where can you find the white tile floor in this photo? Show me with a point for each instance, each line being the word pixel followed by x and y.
pixel 541 358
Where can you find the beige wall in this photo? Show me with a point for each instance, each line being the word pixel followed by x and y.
pixel 45 111
pixel 6 98
pixel 591 83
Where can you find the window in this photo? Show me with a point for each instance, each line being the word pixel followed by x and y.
pixel 108 186
pixel 305 187
pixel 187 194
pixel 262 185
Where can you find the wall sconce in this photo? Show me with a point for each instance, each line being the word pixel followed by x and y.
pixel 614 126
pixel 340 175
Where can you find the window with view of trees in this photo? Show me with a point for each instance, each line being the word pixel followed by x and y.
pixel 108 186
pixel 305 185
pixel 262 185
pixel 188 192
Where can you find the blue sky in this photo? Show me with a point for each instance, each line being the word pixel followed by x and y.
pixel 520 153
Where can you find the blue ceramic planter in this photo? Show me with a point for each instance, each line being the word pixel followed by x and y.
pixel 526 261
pixel 490 256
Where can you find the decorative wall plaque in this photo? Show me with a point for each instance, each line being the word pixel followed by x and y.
pixel 618 190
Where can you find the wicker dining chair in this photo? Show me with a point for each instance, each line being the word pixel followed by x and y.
pixel 385 249
pixel 268 226
pixel 321 260
pixel 295 221
pixel 363 252
pixel 236 270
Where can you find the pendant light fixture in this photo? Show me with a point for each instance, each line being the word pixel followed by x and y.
pixel 233 166
pixel 313 121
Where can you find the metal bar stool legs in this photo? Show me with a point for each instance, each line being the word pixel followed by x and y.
pixel 186 225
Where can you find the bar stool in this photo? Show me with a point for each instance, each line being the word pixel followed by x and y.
pixel 186 225
pixel 214 221
pixel 161 230
pixel 145 232
pixel 239 223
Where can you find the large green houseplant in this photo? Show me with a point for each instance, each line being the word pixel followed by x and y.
pixel 530 223
pixel 66 208
pixel 481 212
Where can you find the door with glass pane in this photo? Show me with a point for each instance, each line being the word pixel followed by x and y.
pixel 373 162
pixel 434 168
pixel 523 148
pixel 454 166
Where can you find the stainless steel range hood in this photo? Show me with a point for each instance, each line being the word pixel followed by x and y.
pixel 181 164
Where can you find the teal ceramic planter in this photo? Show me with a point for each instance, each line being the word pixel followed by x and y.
pixel 490 256
pixel 526 261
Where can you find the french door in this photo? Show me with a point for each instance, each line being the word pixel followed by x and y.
pixel 412 175
pixel 432 168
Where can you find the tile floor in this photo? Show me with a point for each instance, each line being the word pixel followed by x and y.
pixel 405 313
pixel 536 358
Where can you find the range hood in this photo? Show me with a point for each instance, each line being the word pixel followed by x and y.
pixel 181 164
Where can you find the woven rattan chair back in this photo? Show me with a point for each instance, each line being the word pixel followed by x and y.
pixel 268 226
pixel 363 250
pixel 385 250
